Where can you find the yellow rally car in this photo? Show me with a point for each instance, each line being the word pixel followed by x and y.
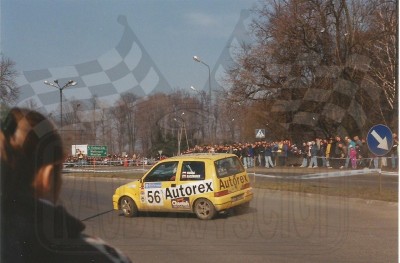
pixel 203 184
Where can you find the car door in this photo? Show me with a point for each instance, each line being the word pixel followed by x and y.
pixel 191 185
pixel 153 191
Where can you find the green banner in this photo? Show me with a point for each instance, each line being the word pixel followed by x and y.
pixel 97 151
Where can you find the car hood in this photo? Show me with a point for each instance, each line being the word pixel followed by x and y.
pixel 129 186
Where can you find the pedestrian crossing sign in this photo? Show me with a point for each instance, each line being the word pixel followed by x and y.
pixel 260 133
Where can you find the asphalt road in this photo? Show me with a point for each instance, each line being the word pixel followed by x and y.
pixel 279 227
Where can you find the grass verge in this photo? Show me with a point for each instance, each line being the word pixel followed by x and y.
pixel 349 191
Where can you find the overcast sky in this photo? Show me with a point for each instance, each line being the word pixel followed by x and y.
pixel 39 34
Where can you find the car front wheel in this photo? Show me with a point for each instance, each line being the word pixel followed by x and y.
pixel 204 209
pixel 128 207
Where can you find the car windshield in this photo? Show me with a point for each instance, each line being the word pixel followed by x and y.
pixel 228 166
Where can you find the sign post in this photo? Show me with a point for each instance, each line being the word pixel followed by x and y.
pixel 380 142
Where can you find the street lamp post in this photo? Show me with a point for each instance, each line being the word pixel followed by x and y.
pixel 203 95
pixel 179 138
pixel 182 127
pixel 197 59
pixel 56 85
pixel 76 118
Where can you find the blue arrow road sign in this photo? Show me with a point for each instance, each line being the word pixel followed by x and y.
pixel 380 140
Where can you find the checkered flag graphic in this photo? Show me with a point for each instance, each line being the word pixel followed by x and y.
pixel 298 106
pixel 239 36
pixel 125 68
pixel 339 102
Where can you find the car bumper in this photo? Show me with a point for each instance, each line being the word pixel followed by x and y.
pixel 233 200
pixel 115 199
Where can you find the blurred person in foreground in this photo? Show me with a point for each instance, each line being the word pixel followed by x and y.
pixel 34 228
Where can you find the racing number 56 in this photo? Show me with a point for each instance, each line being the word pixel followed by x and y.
pixel 154 196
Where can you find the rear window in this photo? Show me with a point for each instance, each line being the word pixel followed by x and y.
pixel 228 166
pixel 193 170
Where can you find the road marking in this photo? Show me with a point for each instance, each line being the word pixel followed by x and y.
pixel 390 173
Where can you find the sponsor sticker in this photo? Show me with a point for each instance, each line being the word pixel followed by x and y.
pixel 180 203
pixel 142 197
pixel 233 182
pixel 152 185
pixel 190 175
pixel 183 190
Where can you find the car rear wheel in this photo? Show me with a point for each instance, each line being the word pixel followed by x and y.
pixel 204 209
pixel 128 207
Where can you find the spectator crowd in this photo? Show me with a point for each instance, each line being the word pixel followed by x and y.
pixel 335 152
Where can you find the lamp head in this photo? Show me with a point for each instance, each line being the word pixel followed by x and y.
pixel 196 58
pixel 49 83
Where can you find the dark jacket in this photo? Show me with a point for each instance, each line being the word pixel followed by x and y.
pixel 314 150
pixel 251 151
pixel 335 150
pixel 245 151
pixel 268 151
pixel 35 231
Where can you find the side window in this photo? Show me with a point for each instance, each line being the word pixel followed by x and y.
pixel 193 170
pixel 163 172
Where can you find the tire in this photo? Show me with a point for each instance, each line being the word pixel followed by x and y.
pixel 204 209
pixel 128 207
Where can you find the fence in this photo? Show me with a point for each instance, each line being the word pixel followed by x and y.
pixel 292 161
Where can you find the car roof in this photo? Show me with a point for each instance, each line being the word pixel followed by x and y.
pixel 201 156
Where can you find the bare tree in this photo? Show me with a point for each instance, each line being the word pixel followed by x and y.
pixel 332 59
pixel 8 88
pixel 117 113
pixel 381 46
pixel 126 111
pixel 106 127
pixel 31 104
